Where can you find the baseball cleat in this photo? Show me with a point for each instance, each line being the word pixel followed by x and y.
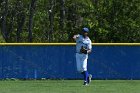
pixel 89 78
pixel 85 84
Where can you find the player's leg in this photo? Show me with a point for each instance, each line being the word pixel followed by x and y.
pixel 84 67
pixel 87 76
pixel 81 62
pixel 78 62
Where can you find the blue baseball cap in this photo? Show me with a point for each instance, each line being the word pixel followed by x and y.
pixel 85 29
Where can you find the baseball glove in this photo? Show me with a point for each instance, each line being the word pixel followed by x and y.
pixel 83 50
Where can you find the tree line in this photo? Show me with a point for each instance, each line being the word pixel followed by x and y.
pixel 109 21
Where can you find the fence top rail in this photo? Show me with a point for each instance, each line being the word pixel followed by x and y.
pixel 68 44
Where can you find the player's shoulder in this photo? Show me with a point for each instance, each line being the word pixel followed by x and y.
pixel 80 36
pixel 88 39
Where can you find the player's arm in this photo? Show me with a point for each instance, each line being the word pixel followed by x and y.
pixel 89 48
pixel 88 51
pixel 75 37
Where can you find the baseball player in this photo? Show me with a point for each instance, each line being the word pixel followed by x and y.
pixel 83 48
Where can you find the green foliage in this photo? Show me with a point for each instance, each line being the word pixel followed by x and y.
pixel 1 39
pixel 108 20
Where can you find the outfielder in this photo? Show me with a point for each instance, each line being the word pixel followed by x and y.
pixel 83 48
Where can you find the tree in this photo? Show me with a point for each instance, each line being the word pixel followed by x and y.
pixel 62 18
pixel 3 19
pixel 51 19
pixel 32 10
pixel 58 20
pixel 20 19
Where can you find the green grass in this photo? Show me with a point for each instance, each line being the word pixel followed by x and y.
pixel 70 86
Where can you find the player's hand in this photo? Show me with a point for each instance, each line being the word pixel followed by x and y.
pixel 75 37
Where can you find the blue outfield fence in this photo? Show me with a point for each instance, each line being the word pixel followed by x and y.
pixel 58 62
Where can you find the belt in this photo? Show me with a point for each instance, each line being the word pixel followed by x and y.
pixel 79 53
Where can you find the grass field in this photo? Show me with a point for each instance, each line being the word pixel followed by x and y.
pixel 70 86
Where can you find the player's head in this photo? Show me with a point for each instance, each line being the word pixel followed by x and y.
pixel 85 31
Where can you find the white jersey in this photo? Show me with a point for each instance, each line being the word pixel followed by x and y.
pixel 81 41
